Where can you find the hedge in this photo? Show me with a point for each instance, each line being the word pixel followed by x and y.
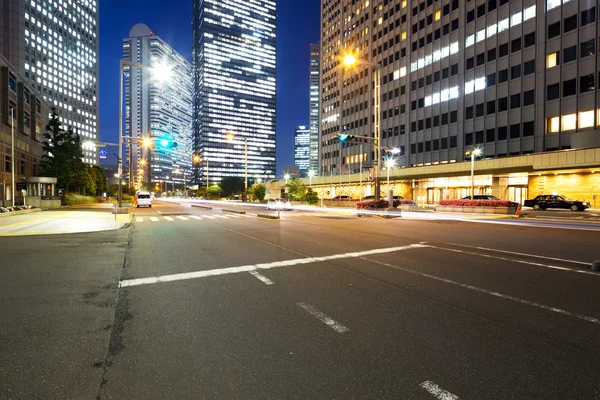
pixel 477 203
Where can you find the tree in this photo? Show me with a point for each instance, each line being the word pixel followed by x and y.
pixel 214 191
pixel 231 186
pixel 86 181
pixel 259 191
pixel 311 197
pixel 63 155
pixel 296 189
pixel 100 180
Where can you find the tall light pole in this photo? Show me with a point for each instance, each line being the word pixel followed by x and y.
pixel 163 73
pixel 311 173
pixel 350 61
pixel 473 153
pixel 230 137
pixel 12 155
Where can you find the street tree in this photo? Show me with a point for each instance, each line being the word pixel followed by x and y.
pixel 214 191
pixel 231 186
pixel 311 197
pixel 259 191
pixel 295 189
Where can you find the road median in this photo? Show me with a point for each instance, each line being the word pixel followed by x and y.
pixel 233 211
pixel 203 207
pixel 267 216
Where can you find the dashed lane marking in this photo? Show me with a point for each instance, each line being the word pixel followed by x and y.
pixel 336 326
pixel 437 391
pixel 182 218
pixel 262 278
pixel 196 217
pixel 169 219
pixel 153 219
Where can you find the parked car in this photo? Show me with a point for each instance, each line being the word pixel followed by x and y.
pixel 342 198
pixel 545 201
pixel 279 204
pixel 481 197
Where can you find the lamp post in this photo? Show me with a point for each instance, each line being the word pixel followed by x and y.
pixel 12 155
pixel 350 61
pixel 163 73
pixel 229 137
pixel 311 173
pixel 473 153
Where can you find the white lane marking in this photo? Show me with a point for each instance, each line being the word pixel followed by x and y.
pixel 209 217
pixel 262 278
pixel 221 216
pixel 158 211
pixel 323 318
pixel 522 254
pixel 196 217
pixel 437 391
pixel 491 293
pixel 169 219
pixel 153 219
pixel 139 219
pixel 234 216
pixel 518 261
pixel 182 218
pixel 255 267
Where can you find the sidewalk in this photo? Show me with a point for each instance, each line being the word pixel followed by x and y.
pixel 60 222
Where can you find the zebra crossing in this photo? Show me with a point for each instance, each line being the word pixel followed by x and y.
pixel 175 218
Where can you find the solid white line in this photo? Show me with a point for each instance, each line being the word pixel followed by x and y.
pixel 153 219
pixel 169 219
pixel 182 218
pixel 139 219
pixel 262 278
pixel 523 254
pixel 518 261
pixel 323 318
pixel 437 391
pixel 196 217
pixel 496 294
pixel 248 268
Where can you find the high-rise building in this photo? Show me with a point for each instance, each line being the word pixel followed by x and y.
pixel 510 78
pixel 157 108
pixel 302 142
pixel 54 47
pixel 315 105
pixel 234 57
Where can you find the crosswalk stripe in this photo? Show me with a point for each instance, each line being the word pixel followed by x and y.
pixel 221 216
pixel 196 217
pixel 209 217
pixel 153 219
pixel 169 219
pixel 234 216
pixel 182 218
pixel 139 219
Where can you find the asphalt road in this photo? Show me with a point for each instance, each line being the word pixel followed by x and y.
pixel 191 303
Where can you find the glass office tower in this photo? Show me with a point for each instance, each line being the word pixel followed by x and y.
pixel 302 142
pixel 54 46
pixel 234 57
pixel 315 104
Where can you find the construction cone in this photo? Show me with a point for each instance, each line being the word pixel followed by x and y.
pixel 518 213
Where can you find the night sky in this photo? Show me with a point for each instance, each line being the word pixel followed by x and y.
pixel 298 26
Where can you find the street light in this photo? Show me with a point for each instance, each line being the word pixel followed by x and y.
pixel 311 173
pixel 389 163
pixel 197 160
pixel 230 137
pixel 350 60
pixel 178 171
pixel 473 153
pixel 286 176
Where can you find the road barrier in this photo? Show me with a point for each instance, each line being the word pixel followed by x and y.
pixel 204 207
pixel 267 216
pixel 233 211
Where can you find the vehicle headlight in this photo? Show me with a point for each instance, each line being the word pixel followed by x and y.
pixel 584 203
pixel 278 204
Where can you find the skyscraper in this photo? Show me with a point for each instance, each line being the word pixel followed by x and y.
pixel 302 142
pixel 234 57
pixel 162 110
pixel 315 105
pixel 54 47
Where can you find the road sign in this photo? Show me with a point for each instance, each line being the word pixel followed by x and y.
pixel 102 155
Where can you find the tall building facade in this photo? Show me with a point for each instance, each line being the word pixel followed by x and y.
pixel 302 148
pixel 234 58
pixel 508 77
pixel 315 105
pixel 157 109
pixel 22 106
pixel 54 47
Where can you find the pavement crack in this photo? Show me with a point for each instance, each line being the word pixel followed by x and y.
pixel 122 314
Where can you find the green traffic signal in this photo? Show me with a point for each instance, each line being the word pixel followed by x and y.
pixel 342 137
pixel 166 143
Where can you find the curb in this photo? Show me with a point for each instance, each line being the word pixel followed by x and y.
pixel 233 211
pixel 21 212
pixel 267 216
pixel 204 207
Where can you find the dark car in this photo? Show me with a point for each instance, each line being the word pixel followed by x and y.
pixel 545 201
pixel 481 197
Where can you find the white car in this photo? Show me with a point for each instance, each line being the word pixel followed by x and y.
pixel 279 204
pixel 143 199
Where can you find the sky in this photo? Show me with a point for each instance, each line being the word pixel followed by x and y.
pixel 298 26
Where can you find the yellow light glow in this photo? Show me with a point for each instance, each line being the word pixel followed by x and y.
pixel 551 60
pixel 403 35
pixel 142 162
pixel 553 124
pixel 162 72
pixel 349 60
pixel 586 119
pixel 229 137
pixel 569 122
pixel 197 159
pixel 147 142
pixel 438 15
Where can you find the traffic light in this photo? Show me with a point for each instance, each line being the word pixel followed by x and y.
pixel 166 143
pixel 344 136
